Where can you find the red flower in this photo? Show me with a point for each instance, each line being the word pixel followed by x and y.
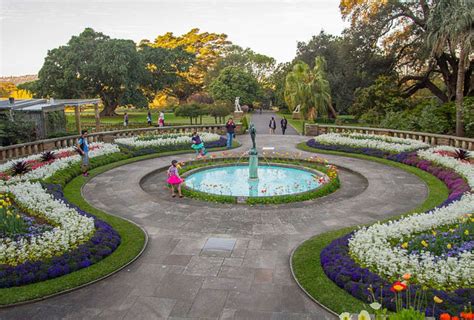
pixel 445 316
pixel 454 318
pixel 398 286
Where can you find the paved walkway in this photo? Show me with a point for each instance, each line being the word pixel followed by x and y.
pixel 178 277
pixel 262 121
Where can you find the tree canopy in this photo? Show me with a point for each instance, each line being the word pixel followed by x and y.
pixel 92 64
pixel 206 47
pixel 235 82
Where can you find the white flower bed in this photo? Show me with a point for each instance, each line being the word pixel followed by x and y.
pixel 385 143
pixel 71 228
pixel 371 247
pixel 166 140
pixel 462 168
pixel 48 170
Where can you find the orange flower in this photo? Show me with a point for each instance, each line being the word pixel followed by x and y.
pixel 454 318
pixel 398 286
pixel 406 276
pixel 445 316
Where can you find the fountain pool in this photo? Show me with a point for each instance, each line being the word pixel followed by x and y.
pixel 233 180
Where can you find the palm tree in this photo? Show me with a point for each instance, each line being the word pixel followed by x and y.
pixel 308 88
pixel 450 27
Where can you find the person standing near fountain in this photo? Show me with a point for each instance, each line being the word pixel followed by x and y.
pixel 272 125
pixel 174 179
pixel 230 126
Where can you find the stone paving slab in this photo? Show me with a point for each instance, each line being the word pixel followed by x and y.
pixel 176 279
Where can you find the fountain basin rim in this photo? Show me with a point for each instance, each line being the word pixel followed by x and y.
pixel 245 164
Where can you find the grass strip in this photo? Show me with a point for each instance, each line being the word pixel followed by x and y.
pixel 306 261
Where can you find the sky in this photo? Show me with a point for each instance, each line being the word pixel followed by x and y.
pixel 29 28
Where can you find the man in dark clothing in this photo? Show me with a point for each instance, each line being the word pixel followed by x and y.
pixel 230 126
pixel 272 125
pixel 284 124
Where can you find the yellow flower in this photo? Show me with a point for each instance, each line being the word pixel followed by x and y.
pixel 434 233
pixel 345 316
pixel 405 245
pixel 363 315
pixel 424 243
pixel 18 216
pixel 466 232
pixel 437 299
pixel 449 246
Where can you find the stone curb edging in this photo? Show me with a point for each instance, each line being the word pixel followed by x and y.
pixel 300 286
pixel 162 169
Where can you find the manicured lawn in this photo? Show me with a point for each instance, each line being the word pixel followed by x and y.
pixel 306 259
pixel 135 117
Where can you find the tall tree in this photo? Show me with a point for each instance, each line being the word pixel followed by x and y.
pixel 401 27
pixel 309 89
pixel 259 65
pixel 450 28
pixel 235 82
pixel 207 48
pixel 94 65
pixel 350 64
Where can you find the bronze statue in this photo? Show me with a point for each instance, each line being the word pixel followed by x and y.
pixel 253 133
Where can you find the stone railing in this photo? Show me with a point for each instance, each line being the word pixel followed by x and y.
pixel 26 149
pixel 430 138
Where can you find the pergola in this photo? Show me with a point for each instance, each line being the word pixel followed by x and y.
pixel 77 103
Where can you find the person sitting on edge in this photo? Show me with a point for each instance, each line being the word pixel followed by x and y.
pixel 230 126
pixel 198 144
pixel 174 179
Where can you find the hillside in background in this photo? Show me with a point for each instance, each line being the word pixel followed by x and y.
pixel 16 80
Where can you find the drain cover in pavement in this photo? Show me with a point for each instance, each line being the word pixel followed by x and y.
pixel 219 244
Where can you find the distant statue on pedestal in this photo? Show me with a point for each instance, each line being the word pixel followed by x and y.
pixel 237 105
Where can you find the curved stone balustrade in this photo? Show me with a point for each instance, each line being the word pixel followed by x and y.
pixel 430 138
pixel 26 149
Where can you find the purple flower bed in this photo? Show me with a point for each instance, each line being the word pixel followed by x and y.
pixel 104 241
pixel 347 274
pixel 339 266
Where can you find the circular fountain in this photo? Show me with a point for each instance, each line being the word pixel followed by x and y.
pixel 252 180
pixel 234 180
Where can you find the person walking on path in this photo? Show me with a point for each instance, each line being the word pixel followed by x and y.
pixel 83 149
pixel 148 118
pixel 161 119
pixel 174 179
pixel 284 124
pixel 125 120
pixel 272 125
pixel 230 126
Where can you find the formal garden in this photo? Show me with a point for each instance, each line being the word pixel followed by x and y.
pixel 190 178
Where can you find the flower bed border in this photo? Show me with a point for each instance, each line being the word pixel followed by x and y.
pixel 134 238
pixel 305 258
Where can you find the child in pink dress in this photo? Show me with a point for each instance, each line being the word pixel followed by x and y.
pixel 174 179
